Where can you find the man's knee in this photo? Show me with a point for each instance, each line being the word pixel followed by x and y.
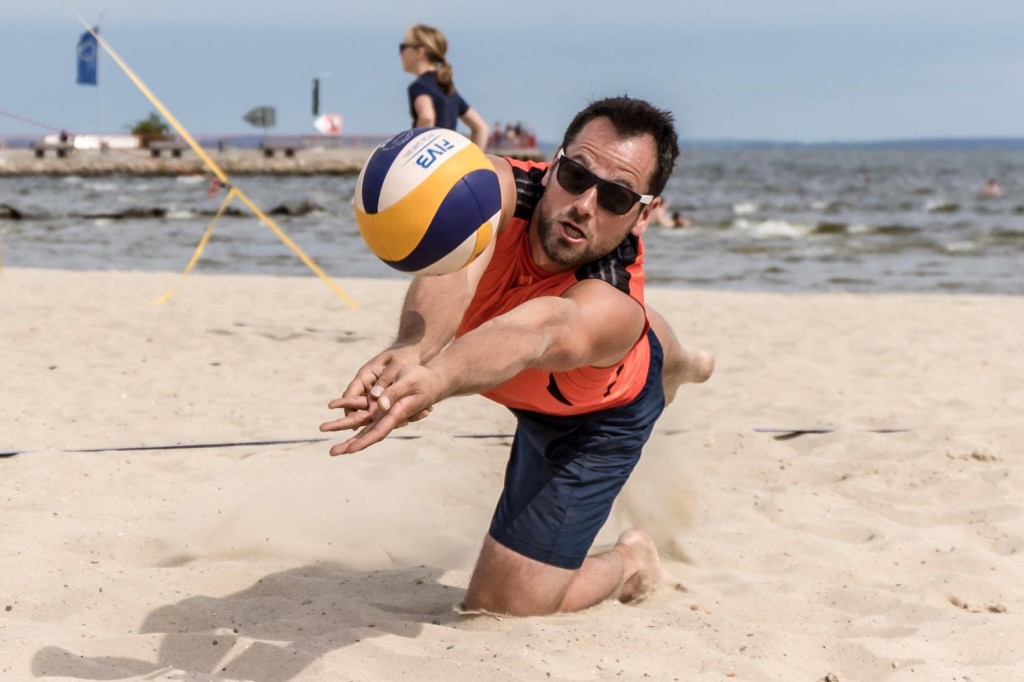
pixel 505 581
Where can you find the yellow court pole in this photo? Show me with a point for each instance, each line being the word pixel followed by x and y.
pixel 199 247
pixel 221 175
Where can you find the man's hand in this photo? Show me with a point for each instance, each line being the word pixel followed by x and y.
pixel 409 397
pixel 379 372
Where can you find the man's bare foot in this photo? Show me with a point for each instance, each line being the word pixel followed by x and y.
pixel 649 571
pixel 698 367
pixel 681 366
pixel 686 367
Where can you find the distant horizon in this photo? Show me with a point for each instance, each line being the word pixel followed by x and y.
pixel 950 142
pixel 22 140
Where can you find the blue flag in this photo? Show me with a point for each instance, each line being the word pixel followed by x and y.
pixel 88 58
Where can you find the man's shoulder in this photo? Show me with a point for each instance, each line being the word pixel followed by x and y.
pixel 528 176
pixel 521 187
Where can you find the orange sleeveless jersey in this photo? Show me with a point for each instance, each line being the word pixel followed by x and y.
pixel 512 278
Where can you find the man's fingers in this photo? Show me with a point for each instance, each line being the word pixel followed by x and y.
pixel 386 378
pixel 402 391
pixel 394 362
pixel 354 388
pixel 357 402
pixel 351 421
pixel 363 380
pixel 368 436
pixel 386 394
pixel 376 429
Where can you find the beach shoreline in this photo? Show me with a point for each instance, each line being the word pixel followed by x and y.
pixel 842 497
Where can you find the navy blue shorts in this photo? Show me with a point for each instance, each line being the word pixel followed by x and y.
pixel 564 473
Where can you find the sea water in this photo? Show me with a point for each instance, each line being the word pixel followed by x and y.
pixel 800 219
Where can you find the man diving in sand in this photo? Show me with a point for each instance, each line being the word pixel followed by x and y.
pixel 550 321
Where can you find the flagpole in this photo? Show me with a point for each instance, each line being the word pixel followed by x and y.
pixel 212 165
pixel 99 90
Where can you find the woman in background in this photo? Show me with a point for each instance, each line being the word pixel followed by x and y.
pixel 433 99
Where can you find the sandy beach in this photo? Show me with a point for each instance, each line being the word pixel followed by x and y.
pixel 843 497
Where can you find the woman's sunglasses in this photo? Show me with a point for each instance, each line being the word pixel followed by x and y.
pixel 576 178
pixel 403 46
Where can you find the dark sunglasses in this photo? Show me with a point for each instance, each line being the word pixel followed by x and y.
pixel 403 46
pixel 576 178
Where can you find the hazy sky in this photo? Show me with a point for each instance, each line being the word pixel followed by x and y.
pixel 743 69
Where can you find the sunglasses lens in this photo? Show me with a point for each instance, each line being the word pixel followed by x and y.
pixel 574 177
pixel 615 199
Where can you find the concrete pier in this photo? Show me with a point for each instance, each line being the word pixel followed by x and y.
pixel 307 161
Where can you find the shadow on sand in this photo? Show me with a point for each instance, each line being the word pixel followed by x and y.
pixel 275 629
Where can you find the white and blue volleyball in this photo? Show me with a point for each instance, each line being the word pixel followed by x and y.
pixel 428 201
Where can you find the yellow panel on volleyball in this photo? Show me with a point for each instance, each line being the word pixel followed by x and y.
pixel 483 237
pixel 393 233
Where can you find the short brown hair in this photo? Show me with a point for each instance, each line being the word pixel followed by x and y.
pixel 632 118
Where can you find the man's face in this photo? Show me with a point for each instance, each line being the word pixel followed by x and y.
pixel 574 229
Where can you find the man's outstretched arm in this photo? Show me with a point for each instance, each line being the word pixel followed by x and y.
pixel 593 325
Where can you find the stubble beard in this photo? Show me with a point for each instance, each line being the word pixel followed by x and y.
pixel 560 251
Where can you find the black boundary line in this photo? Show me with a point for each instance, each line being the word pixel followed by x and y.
pixel 789 434
pixel 238 444
pixel 196 446
pixel 782 434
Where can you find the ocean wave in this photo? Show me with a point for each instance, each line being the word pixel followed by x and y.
pixel 9 212
pixel 100 187
pixel 830 228
pixel 773 228
pixel 829 206
pixel 180 214
pixel 1007 234
pixel 894 229
pixel 297 208
pixel 941 206
pixel 960 247
pixel 749 248
pixel 133 212
pixel 849 281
